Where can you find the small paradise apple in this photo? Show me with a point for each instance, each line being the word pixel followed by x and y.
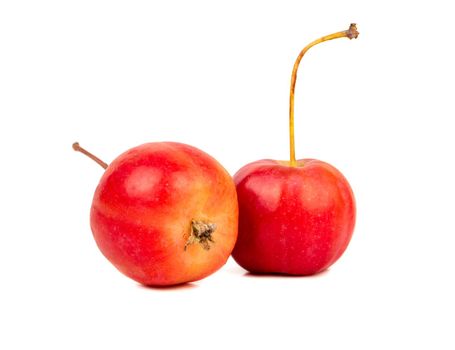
pixel 164 213
pixel 295 217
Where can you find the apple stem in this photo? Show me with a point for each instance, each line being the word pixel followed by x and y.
pixel 78 148
pixel 351 33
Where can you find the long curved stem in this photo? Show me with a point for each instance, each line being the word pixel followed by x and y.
pixel 78 148
pixel 351 33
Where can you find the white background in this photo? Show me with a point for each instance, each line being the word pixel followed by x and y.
pixel 115 74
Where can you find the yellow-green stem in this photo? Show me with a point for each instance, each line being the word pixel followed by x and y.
pixel 351 33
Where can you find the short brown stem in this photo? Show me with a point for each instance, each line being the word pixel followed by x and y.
pixel 78 148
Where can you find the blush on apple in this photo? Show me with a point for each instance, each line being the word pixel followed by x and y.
pixel 295 217
pixel 164 213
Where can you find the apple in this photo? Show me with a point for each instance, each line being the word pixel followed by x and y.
pixel 295 217
pixel 292 219
pixel 164 213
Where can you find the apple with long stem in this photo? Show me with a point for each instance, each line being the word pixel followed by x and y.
pixel 164 213
pixel 295 217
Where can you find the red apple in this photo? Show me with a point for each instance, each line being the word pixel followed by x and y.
pixel 295 217
pixel 165 213
pixel 293 220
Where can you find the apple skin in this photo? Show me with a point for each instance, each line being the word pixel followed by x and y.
pixel 292 220
pixel 143 208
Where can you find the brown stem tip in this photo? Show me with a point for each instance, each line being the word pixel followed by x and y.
pixel 352 31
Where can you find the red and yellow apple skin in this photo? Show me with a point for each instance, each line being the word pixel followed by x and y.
pixel 292 220
pixel 145 208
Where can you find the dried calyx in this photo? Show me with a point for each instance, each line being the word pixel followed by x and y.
pixel 201 232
